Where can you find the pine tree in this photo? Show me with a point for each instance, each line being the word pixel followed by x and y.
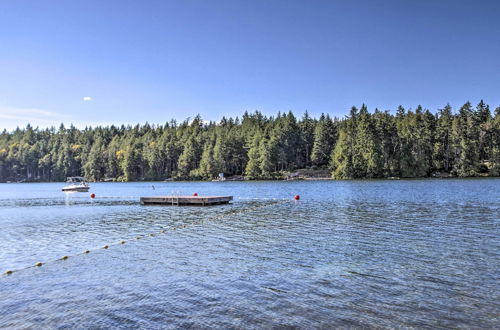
pixel 253 170
pixel 131 163
pixel 367 161
pixel 188 159
pixel 485 138
pixel 442 151
pixel 94 167
pixel 207 170
pixel 405 128
pixel 267 161
pixel 466 142
pixel 408 144
pixel 221 153
pixel 386 135
pixel 423 124
pixel 324 141
pixel 495 150
pixel 341 159
pixel 307 126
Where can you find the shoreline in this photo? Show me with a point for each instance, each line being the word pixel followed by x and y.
pixel 281 180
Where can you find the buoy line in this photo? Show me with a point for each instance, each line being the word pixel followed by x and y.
pixel 153 234
pixel 261 199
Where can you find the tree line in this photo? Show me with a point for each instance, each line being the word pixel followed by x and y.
pixel 379 144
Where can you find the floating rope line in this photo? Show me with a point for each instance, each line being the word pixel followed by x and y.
pixel 162 231
pixel 261 199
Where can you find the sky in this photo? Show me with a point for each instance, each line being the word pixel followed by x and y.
pixel 126 62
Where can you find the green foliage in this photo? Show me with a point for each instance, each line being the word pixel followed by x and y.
pixel 362 145
pixel 495 150
pixel 367 161
pixel 307 127
pixel 207 170
pixel 442 152
pixel 252 169
pixel 324 141
pixel 341 164
pixel 189 159
pixel 466 142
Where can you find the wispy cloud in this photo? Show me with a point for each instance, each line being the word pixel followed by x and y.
pixel 25 113
pixel 87 98
pixel 11 117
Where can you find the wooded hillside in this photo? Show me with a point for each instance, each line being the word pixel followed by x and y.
pixel 404 143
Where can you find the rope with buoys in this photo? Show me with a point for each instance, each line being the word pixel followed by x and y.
pixel 162 231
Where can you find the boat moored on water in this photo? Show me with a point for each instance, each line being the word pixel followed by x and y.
pixel 76 183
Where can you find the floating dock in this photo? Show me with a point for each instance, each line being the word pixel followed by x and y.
pixel 186 200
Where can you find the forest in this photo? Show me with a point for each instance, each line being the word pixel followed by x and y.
pixel 406 143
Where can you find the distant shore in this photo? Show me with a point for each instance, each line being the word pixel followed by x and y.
pixel 281 179
pixel 404 143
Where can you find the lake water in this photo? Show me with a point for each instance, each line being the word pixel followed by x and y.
pixel 408 253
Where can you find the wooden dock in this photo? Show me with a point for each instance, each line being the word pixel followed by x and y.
pixel 186 200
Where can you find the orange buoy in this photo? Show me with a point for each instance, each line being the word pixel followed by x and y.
pixel 92 195
pixel 296 197
pixel 195 194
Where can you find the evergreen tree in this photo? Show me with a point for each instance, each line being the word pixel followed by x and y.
pixel 366 158
pixel 188 160
pixel 485 138
pixel 407 144
pixel 341 160
pixel 253 169
pixel 307 127
pixel 94 167
pixel 495 150
pixel 466 142
pixel 442 155
pixel 386 135
pixel 131 163
pixel 207 170
pixel 324 141
pixel 267 161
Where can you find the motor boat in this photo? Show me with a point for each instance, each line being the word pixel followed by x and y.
pixel 76 183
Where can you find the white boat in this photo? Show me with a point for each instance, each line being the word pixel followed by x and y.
pixel 76 183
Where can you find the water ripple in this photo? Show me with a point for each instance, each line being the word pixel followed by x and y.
pixel 417 254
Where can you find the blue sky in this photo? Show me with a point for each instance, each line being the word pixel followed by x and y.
pixel 151 61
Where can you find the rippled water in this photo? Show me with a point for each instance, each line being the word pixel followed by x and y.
pixel 416 253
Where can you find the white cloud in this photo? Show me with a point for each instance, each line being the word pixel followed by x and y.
pixel 87 98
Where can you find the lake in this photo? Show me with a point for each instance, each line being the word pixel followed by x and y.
pixel 405 253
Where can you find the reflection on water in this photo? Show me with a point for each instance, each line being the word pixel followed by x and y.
pixel 419 253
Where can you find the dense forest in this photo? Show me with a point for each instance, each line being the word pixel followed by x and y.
pixel 378 144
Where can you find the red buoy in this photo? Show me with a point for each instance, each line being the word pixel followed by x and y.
pixel 92 195
pixel 195 194
pixel 296 197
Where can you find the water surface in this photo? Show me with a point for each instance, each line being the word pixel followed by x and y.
pixel 408 253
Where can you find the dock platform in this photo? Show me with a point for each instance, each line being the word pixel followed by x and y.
pixel 186 200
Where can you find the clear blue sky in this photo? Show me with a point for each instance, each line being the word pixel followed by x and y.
pixel 152 61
